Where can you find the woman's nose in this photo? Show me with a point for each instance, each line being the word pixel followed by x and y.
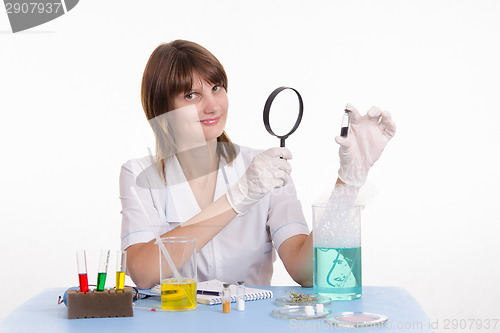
pixel 210 104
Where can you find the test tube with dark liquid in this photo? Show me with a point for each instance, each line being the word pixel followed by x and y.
pixel 81 262
pixel 103 270
pixel 345 123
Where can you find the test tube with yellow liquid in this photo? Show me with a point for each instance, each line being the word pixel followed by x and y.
pixel 121 268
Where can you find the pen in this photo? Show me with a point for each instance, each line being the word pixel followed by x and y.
pixel 148 309
pixel 208 292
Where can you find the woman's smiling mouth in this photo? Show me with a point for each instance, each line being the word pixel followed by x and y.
pixel 211 121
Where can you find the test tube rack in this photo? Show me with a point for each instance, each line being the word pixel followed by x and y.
pixel 100 304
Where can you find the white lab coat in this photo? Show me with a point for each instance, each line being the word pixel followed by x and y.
pixel 243 250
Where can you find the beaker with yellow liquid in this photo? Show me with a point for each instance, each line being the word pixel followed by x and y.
pixel 178 293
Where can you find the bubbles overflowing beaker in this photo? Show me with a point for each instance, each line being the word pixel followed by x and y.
pixel 337 251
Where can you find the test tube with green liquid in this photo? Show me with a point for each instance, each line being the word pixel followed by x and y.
pixel 103 270
pixel 121 267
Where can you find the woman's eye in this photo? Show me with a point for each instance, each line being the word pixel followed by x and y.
pixel 216 88
pixel 190 97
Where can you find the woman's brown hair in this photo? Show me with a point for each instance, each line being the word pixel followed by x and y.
pixel 168 73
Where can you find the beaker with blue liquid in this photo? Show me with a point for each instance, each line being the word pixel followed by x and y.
pixel 337 251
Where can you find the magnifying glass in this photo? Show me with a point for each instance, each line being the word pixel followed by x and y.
pixel 267 109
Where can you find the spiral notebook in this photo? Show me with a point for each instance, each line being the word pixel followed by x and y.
pixel 251 294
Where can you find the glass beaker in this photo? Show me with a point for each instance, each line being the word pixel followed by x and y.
pixel 337 251
pixel 178 293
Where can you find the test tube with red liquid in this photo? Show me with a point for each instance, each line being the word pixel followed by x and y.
pixel 81 262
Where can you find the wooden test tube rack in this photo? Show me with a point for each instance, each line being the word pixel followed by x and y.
pixel 100 304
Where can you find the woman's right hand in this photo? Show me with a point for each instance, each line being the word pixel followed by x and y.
pixel 363 146
pixel 268 170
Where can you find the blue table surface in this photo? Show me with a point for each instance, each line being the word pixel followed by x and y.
pixel 42 314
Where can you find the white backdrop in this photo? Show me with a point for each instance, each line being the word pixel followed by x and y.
pixel 71 115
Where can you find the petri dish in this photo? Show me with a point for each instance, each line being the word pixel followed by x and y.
pixel 356 319
pixel 300 312
pixel 314 299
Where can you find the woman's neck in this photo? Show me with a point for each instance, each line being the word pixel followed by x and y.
pixel 199 161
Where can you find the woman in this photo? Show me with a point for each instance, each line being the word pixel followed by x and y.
pixel 240 204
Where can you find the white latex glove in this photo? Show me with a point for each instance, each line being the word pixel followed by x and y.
pixel 266 172
pixel 367 138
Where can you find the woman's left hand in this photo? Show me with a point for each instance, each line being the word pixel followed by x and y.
pixel 367 138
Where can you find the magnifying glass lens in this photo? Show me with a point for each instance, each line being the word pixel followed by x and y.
pixel 281 108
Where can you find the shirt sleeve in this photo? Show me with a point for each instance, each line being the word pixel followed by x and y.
pixel 135 226
pixel 285 218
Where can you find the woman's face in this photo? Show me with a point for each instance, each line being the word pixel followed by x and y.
pixel 209 113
